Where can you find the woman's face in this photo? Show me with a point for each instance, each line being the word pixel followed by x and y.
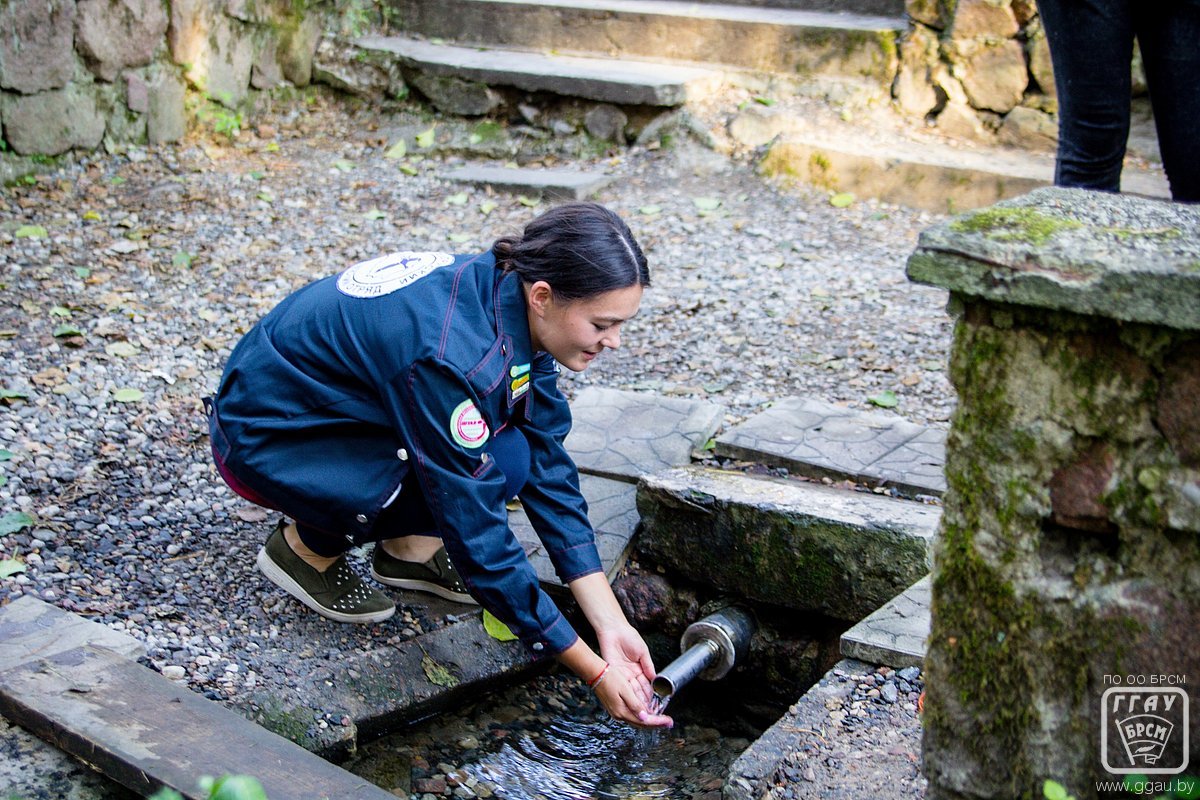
pixel 576 331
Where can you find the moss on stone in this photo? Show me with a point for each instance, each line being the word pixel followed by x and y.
pixel 291 724
pixel 1014 225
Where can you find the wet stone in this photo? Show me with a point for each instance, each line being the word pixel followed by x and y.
pixel 896 633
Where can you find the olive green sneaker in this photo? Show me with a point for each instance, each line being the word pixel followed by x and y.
pixel 336 593
pixel 436 575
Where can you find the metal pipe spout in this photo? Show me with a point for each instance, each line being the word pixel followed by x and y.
pixel 710 646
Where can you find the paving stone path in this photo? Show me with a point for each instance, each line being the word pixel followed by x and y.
pixel 818 439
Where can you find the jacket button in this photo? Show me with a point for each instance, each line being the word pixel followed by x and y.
pixel 362 518
pixel 538 646
pixel 402 454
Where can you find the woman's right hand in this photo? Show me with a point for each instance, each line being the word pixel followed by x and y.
pixel 623 701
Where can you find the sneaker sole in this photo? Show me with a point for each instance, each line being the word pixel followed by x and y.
pixel 425 586
pixel 277 576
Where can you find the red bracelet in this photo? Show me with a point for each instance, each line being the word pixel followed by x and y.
pixel 594 682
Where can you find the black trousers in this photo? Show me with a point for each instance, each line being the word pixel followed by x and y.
pixel 1091 47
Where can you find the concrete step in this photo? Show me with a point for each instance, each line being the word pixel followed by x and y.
pixel 788 543
pixel 770 39
pixel 556 184
pixel 908 168
pixel 624 82
pixel 818 439
pixel 881 8
pixel 896 634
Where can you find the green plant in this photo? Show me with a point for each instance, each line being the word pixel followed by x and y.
pixel 227 787
pixel 224 121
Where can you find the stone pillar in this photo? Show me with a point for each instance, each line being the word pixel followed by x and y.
pixel 1066 582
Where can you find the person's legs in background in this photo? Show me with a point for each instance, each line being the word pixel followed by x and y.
pixel 1168 33
pixel 1091 47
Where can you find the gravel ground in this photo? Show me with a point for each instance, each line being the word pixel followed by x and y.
pixel 125 280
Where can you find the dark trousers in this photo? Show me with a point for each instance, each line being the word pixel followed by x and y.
pixel 1091 46
pixel 409 515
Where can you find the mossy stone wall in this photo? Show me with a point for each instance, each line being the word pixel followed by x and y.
pixel 1069 548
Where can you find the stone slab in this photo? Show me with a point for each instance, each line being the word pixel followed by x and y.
pixel 818 439
pixel 895 635
pixel 624 82
pixel 32 629
pixel 385 688
pixel 624 435
pixel 561 184
pixel 31 768
pixel 612 508
pixel 788 41
pixel 1116 256
pixel 826 753
pixel 786 542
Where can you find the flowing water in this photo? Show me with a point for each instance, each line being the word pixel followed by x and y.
pixel 550 740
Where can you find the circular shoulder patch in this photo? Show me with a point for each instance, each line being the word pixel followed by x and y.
pixel 467 425
pixel 386 274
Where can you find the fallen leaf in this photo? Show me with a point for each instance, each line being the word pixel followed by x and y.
pixel 60 311
pixel 182 259
pixel 30 232
pixel 51 376
pixel 841 200
pixel 528 201
pixel 437 674
pixel 124 246
pixel 398 150
pixel 207 314
pixel 122 349
pixel 92 216
pixel 487 207
pixel 128 395
pixel 343 165
pixel 497 629
pixel 459 238
pixel 886 399
pixel 457 199
pixel 252 514
pixel 374 214
pixel 408 169
pixel 14 521
pixel 650 211
pixel 7 455
pixel 10 567
pixel 425 138
pixel 67 329
pixel 706 203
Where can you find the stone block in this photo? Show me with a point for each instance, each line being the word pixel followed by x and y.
pixel 756 125
pixel 53 122
pixel 1037 46
pixel 625 435
pixel 787 543
pixel 224 73
pixel 37 50
pixel 137 93
pixel 984 18
pixel 606 122
pixel 1177 412
pixel 297 48
pixel 166 120
pixel 1121 257
pixel 114 34
pixel 340 66
pixel 453 95
pixel 817 439
pixel 31 629
pixel 993 73
pixel 895 634
pixel 560 184
pixel 1029 129
pixel 913 87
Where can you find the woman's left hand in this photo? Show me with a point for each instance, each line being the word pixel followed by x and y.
pixel 630 672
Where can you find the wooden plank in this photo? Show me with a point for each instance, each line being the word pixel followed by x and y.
pixel 32 629
pixel 145 731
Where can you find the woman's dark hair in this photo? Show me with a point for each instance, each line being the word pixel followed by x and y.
pixel 580 249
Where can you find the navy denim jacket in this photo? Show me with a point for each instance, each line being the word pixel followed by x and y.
pixel 402 367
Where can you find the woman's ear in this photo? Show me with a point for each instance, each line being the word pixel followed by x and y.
pixel 539 297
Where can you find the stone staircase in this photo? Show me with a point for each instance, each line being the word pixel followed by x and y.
pixel 822 69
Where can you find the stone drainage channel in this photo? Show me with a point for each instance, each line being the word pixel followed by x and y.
pixel 804 557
